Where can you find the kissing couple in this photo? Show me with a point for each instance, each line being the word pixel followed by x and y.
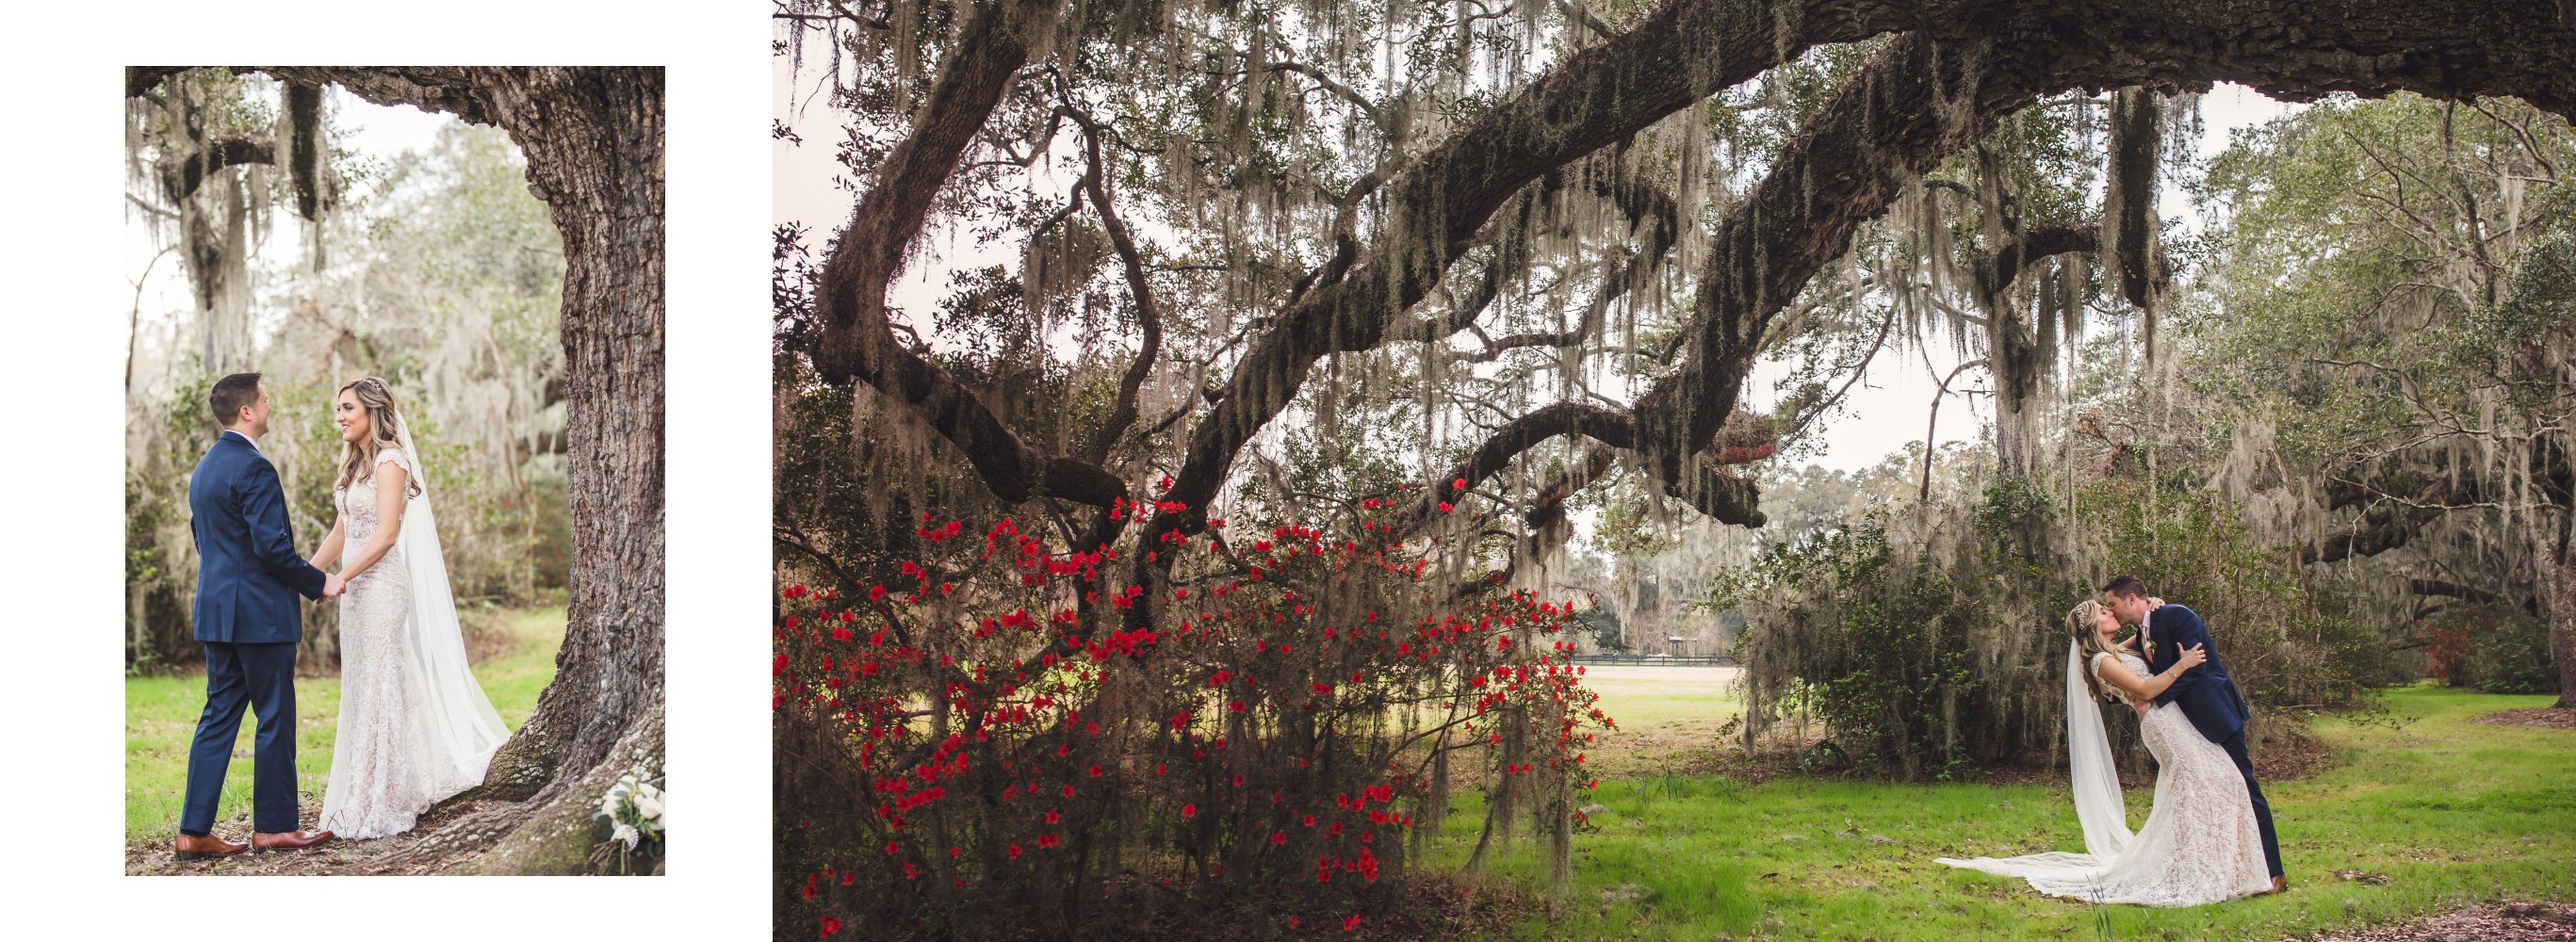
pixel 414 726
pixel 2209 836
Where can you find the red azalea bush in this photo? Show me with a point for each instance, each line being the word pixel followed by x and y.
pixel 997 734
pixel 2449 646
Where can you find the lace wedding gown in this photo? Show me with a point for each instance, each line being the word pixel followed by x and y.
pixel 2199 844
pixel 398 750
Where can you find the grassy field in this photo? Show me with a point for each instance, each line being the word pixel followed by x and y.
pixel 161 717
pixel 2450 811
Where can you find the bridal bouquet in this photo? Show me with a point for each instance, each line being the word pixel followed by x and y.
pixel 633 810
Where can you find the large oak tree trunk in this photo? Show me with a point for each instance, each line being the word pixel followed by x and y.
pixel 593 140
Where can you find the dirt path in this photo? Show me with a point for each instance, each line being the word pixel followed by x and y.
pixel 2492 922
pixel 2551 717
pixel 336 857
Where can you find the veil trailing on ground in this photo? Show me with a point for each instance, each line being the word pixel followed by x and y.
pixel 2097 795
pixel 460 730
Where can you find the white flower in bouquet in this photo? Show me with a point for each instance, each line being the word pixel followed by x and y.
pixel 633 810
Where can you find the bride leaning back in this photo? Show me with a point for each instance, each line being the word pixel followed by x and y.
pixel 2200 843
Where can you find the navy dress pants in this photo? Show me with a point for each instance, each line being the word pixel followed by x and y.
pixel 262 677
pixel 2235 746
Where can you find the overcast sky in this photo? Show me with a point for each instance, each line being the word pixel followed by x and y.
pixel 1884 412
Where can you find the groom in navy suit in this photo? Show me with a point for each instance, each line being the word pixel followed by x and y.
pixel 2207 694
pixel 248 575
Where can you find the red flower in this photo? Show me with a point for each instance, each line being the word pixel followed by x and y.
pixel 830 925
pixel 1190 810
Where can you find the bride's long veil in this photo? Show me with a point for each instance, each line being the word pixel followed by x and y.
pixel 461 728
pixel 2097 795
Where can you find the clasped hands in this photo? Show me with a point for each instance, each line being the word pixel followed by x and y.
pixel 332 584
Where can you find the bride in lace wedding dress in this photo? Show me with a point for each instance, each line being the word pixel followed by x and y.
pixel 2199 844
pixel 415 727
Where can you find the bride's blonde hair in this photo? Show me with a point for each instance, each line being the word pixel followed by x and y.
pixel 384 430
pixel 2079 626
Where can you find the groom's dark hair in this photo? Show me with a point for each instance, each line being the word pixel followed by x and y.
pixel 2125 585
pixel 231 393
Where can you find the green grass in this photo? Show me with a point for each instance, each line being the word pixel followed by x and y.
pixel 161 718
pixel 2451 810
pixel 1644 699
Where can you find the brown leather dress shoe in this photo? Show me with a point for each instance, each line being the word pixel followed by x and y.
pixel 206 847
pixel 291 840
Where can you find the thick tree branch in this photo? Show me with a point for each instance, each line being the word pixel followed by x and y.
pixel 1996 273
pixel 2453 590
pixel 991 46
pixel 181 175
pixel 854 340
pixel 446 89
pixel 1149 317
pixel 142 79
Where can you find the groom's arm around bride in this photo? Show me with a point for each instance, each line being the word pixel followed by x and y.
pixel 2208 694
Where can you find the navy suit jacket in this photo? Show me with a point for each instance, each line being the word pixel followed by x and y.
pixel 2207 694
pixel 248 573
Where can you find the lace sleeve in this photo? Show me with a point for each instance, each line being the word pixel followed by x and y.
pixel 395 457
pixel 2110 689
